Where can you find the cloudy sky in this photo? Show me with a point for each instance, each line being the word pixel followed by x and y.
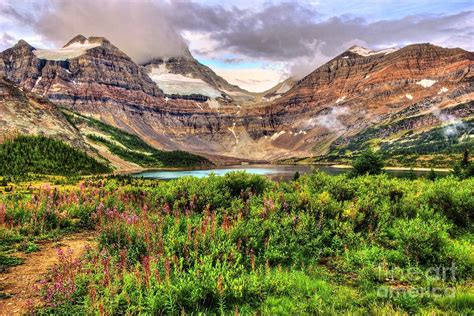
pixel 252 43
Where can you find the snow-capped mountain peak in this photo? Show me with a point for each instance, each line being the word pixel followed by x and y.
pixel 362 51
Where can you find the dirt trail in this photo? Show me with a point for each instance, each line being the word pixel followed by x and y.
pixel 21 282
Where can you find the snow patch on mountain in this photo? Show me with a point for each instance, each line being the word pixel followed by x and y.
pixel 232 130
pixel 409 96
pixel 426 83
pixel 276 135
pixel 284 88
pixel 443 90
pixel 367 52
pixel 178 84
pixel 38 80
pixel 341 99
pixel 271 99
pixel 213 104
pixel 72 51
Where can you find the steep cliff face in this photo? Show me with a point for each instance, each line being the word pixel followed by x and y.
pixel 397 76
pixel 24 113
pixel 356 90
pixel 83 71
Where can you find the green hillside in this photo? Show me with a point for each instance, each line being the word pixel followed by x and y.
pixel 39 154
pixel 130 147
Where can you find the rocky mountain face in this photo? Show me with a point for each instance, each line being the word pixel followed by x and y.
pixel 24 113
pixel 278 90
pixel 185 77
pixel 93 77
pixel 178 103
pixel 83 71
pixel 360 89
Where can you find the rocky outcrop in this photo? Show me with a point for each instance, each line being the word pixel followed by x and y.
pixel 359 89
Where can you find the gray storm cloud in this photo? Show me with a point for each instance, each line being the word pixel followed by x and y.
pixel 141 29
pixel 292 32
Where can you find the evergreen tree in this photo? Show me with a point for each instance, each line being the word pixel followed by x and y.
pixel 432 175
pixel 411 174
pixel 369 162
pixel 465 159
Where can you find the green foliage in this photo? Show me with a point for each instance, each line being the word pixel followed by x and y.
pixel 437 140
pixel 465 168
pixel 421 239
pixel 38 154
pixel 296 176
pixel 9 261
pixel 369 162
pixel 30 247
pixel 451 198
pixel 432 175
pixel 241 243
pixel 401 144
pixel 133 148
pixel 461 302
pixel 442 139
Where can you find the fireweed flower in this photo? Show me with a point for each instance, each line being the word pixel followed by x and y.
pixel 62 285
pixel 3 213
pixel 132 219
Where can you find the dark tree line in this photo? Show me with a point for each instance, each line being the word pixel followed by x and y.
pixel 42 155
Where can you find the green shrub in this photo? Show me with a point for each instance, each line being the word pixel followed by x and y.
pixel 9 261
pixel 453 198
pixel 420 239
pixel 242 243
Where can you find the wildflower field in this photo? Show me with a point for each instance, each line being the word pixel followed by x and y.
pixel 243 244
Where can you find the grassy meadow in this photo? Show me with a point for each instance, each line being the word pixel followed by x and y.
pixel 243 244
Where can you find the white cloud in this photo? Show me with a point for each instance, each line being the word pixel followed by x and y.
pixel 330 120
pixel 252 79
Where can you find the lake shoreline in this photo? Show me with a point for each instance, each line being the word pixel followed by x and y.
pixel 394 168
pixel 213 167
pixel 273 171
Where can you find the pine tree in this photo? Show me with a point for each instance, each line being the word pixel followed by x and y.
pixel 369 162
pixel 465 159
pixel 432 175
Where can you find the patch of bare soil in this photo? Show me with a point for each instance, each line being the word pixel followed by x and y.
pixel 20 283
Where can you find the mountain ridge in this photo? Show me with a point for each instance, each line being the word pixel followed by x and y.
pixel 340 98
